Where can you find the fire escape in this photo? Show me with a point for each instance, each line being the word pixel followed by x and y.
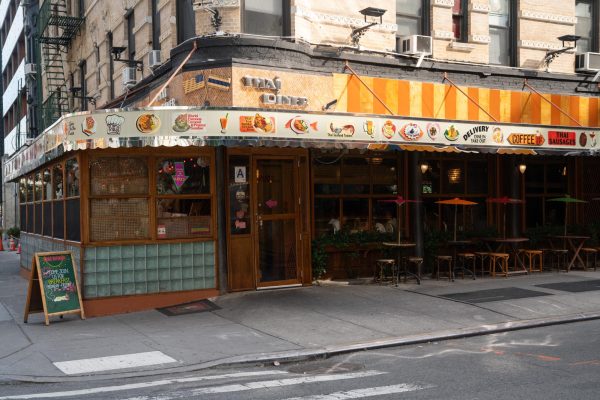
pixel 56 30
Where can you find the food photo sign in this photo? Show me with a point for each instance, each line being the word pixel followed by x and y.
pixel 172 126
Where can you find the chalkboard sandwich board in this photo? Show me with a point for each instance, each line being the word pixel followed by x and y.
pixel 53 286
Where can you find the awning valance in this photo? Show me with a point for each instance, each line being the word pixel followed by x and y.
pixel 185 126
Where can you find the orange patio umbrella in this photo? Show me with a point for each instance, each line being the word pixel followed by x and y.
pixel 456 202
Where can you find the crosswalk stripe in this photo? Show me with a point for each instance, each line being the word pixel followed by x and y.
pixel 140 385
pixel 283 382
pixel 366 392
pixel 87 365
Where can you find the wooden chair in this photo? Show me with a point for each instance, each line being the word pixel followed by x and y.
pixel 534 258
pixel 418 263
pixel 559 258
pixel 447 261
pixel 499 260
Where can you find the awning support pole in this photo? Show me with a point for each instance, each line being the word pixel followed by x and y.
pixel 347 66
pixel 528 86
pixel 469 97
pixel 173 74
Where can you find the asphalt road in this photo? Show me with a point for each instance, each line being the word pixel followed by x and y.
pixel 556 362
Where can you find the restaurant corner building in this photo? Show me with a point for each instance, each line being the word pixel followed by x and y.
pixel 257 146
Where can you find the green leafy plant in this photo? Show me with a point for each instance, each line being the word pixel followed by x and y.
pixel 14 231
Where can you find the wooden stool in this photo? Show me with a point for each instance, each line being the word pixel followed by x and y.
pixel 589 252
pixel 501 260
pixel 560 256
pixel 382 264
pixel 481 256
pixel 464 258
pixel 418 263
pixel 532 256
pixel 444 259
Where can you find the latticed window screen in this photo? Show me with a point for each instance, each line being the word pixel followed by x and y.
pixel 116 212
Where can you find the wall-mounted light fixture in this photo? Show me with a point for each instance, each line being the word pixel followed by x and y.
pixel 522 168
pixel 564 171
pixel 116 52
pixel 551 55
pixel 424 168
pixel 454 175
pixel 357 33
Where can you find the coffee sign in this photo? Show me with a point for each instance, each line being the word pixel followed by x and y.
pixel 525 139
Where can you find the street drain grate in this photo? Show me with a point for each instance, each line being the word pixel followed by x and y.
pixel 574 287
pixel 189 308
pixel 485 296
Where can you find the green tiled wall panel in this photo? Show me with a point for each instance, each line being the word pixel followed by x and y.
pixel 144 269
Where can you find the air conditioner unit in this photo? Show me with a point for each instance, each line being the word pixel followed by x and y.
pixel 416 45
pixel 129 77
pixel 30 69
pixel 587 62
pixel 154 59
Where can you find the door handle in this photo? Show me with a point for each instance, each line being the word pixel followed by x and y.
pixel 259 220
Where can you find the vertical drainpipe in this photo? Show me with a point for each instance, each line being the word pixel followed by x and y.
pixel 221 219
pixel 414 193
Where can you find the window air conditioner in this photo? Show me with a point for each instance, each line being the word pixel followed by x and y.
pixel 129 77
pixel 587 62
pixel 30 69
pixel 416 45
pixel 154 59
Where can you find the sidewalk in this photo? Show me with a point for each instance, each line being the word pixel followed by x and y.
pixel 285 324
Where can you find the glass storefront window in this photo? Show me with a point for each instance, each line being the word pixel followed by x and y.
pixel 356 214
pixel 119 176
pixel 38 188
pixel 183 175
pixel 30 188
pixel 57 181
pixel 72 169
pixel 119 219
pixel 22 190
pixel 355 175
pixel 47 184
pixel 183 218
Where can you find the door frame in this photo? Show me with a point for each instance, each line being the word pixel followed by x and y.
pixel 296 218
pixel 236 266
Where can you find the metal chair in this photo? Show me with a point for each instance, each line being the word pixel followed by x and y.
pixel 385 265
pixel 464 258
pixel 447 260
pixel 590 252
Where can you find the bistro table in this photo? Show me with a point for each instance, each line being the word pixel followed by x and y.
pixel 575 243
pixel 456 244
pixel 503 245
pixel 400 247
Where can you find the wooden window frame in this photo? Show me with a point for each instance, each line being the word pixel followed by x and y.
pixel 463 17
pixel 152 196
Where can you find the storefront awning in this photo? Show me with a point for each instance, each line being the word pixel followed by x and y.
pixel 186 126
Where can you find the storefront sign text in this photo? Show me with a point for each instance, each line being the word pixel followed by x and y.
pixel 477 134
pixel 525 139
pixel 561 138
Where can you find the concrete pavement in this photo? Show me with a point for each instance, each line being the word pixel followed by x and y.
pixel 289 324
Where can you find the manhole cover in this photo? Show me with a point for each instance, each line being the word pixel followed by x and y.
pixel 484 296
pixel 574 287
pixel 324 367
pixel 189 308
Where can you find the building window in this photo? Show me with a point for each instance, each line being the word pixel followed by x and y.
pixel 501 32
pixel 58 206
pixel 186 20
pixel 348 193
pixel 98 68
pixel 267 17
pixel 72 203
pixel 459 20
pixel 83 85
pixel 543 181
pixel 183 202
pixel 588 25
pixel 155 25
pixel 412 18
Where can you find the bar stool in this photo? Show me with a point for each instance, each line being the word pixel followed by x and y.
pixel 384 264
pixel 447 260
pixel 590 252
pixel 418 263
pixel 535 259
pixel 464 258
pixel 560 256
pixel 499 260
pixel 481 256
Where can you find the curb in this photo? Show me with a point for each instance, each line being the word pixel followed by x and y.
pixel 324 352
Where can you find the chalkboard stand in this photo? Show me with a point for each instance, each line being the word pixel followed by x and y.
pixel 36 295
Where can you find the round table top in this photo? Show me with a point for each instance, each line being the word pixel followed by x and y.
pixel 507 240
pixel 401 244
pixel 569 237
